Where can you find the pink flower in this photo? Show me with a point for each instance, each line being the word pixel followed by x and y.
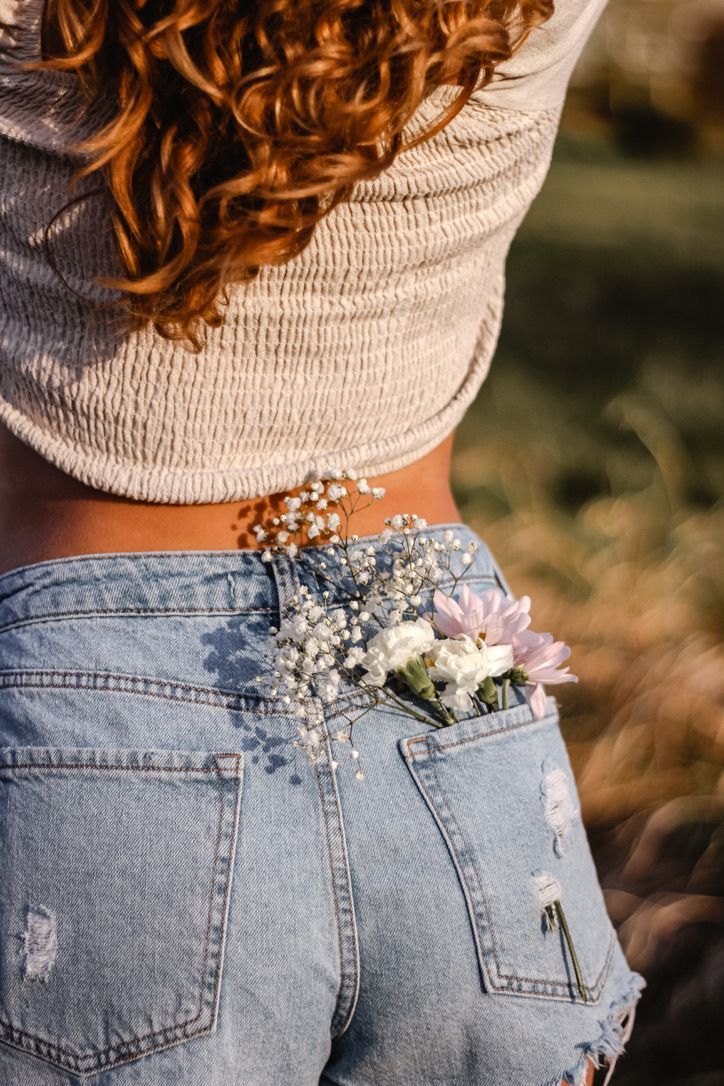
pixel 494 616
pixel 538 700
pixel 538 655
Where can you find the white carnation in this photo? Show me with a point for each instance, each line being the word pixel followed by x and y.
pixel 460 663
pixel 394 646
pixel 454 698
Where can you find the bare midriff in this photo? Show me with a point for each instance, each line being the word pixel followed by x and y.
pixel 46 514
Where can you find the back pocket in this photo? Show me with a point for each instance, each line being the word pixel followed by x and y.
pixel 502 792
pixel 116 872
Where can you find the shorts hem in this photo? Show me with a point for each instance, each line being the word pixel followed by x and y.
pixel 610 1042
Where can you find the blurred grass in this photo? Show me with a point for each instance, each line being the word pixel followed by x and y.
pixel 592 464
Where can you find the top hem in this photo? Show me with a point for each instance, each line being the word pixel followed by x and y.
pixel 172 486
pixel 198 486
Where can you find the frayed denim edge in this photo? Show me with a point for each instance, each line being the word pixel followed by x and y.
pixel 610 1043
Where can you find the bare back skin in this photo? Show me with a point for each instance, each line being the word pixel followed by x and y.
pixel 46 514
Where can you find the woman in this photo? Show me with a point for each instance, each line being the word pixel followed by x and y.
pixel 238 242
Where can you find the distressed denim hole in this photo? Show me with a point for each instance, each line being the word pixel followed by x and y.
pixel 40 943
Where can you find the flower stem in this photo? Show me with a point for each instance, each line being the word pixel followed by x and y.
pixel 574 957
pixel 447 716
pixel 481 705
pixel 506 684
pixel 406 707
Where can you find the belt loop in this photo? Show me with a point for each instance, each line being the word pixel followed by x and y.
pixel 286 580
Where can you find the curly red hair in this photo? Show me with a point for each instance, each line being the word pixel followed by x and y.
pixel 239 126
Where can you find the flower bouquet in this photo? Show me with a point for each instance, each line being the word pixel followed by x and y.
pixel 431 660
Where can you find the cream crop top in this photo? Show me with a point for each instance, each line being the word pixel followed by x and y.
pixel 363 351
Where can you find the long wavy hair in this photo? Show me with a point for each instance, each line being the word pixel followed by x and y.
pixel 237 125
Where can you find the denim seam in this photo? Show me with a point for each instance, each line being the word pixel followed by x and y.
pixel 30 1049
pixel 467 872
pixel 140 686
pixel 106 556
pixel 220 936
pixel 150 612
pixel 341 883
pixel 286 578
pixel 85 1064
pixel 105 765
pixel 285 572
pixel 432 748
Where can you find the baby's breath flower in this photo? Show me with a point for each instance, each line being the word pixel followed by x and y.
pixel 322 643
pixel 354 657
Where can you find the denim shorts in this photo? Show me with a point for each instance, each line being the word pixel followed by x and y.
pixel 186 899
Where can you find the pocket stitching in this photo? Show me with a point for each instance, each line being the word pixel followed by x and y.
pixel 594 988
pixel 431 747
pixel 83 1063
pixel 462 860
pixel 54 616
pixel 215 697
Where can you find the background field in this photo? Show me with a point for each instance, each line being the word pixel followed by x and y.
pixel 592 465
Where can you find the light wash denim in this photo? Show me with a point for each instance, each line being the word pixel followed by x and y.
pixel 187 900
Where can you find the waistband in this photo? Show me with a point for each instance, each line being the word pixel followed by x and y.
pixel 192 582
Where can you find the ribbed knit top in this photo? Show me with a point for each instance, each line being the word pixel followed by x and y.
pixel 363 351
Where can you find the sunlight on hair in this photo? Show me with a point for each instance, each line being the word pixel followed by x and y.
pixel 236 128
